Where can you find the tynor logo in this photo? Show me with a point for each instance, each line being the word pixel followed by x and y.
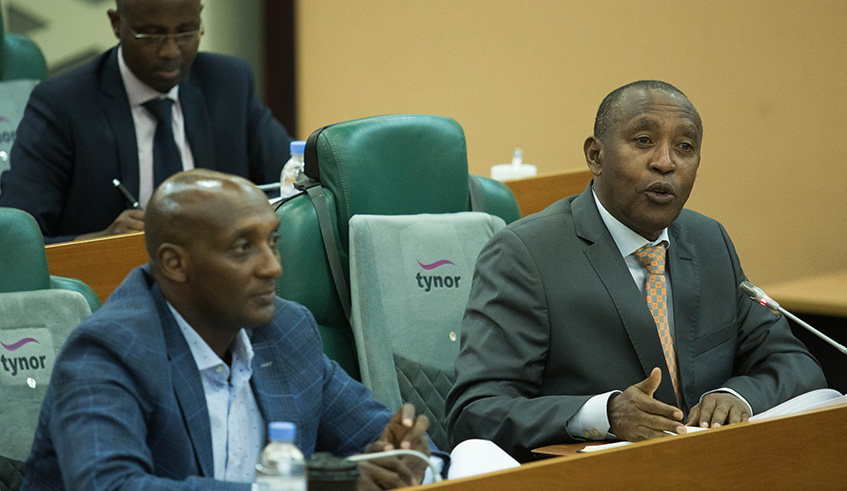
pixel 20 363
pixel 428 282
pixel 25 353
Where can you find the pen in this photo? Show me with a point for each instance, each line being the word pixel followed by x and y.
pixel 124 191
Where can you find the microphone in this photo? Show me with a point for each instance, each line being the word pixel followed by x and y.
pixel 758 295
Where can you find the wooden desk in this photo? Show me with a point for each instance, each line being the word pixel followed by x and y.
pixel 823 294
pixel 533 194
pixel 101 263
pixel 804 451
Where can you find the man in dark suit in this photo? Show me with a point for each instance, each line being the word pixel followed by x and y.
pixel 85 128
pixel 558 342
pixel 171 384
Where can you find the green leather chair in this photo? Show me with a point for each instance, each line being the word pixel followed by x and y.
pixel 383 165
pixel 23 263
pixel 20 57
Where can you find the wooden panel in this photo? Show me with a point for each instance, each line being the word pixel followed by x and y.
pixel 101 263
pixel 533 194
pixel 797 452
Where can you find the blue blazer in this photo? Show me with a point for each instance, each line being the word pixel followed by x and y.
pixel 125 406
pixel 555 318
pixel 77 134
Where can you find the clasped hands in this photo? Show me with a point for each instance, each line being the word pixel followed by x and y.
pixel 405 430
pixel 634 415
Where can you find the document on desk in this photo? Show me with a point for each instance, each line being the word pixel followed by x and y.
pixel 606 446
pixel 474 457
pixel 816 399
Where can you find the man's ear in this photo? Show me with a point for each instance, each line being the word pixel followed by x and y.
pixel 115 20
pixel 593 149
pixel 172 261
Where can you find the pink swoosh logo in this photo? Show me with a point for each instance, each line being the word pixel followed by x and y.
pixel 435 264
pixel 14 346
pixel 4 120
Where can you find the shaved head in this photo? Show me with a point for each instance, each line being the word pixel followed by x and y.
pixel 189 205
pixel 213 239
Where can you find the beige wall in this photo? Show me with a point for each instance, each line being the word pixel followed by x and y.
pixel 768 78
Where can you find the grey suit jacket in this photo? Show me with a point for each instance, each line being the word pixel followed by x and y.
pixel 555 318
pixel 77 135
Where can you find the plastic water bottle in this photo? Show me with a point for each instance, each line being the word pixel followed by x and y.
pixel 281 466
pixel 292 170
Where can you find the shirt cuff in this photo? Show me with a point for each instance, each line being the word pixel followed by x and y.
pixel 736 394
pixel 438 463
pixel 591 422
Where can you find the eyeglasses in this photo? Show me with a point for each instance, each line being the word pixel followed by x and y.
pixel 180 38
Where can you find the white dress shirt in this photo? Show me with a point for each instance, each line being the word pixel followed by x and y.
pixel 145 127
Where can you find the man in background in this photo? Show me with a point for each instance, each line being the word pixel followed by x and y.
pixel 615 313
pixel 143 110
pixel 171 384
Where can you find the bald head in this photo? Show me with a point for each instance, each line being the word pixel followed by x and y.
pixel 192 205
pixel 213 240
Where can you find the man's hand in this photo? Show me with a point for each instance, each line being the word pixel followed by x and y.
pixel 404 431
pixel 716 409
pixel 127 221
pixel 634 415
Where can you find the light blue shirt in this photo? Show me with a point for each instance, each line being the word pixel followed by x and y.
pixel 238 430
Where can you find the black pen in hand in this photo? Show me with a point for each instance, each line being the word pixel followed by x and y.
pixel 129 198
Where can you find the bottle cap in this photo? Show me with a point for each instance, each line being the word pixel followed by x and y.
pixel 282 431
pixel 298 147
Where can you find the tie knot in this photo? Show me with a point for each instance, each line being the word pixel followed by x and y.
pixel 652 258
pixel 161 109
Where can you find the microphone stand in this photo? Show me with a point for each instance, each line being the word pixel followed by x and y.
pixel 812 330
pixel 758 295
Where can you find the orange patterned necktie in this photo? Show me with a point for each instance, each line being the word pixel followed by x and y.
pixel 655 291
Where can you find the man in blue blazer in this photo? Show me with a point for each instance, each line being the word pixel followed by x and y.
pixel 558 342
pixel 85 128
pixel 171 384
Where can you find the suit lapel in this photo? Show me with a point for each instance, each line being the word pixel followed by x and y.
pixel 188 387
pixel 611 269
pixel 116 108
pixel 197 128
pixel 685 284
pixel 271 387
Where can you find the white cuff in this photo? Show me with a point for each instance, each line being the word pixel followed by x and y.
pixel 591 422
pixel 438 462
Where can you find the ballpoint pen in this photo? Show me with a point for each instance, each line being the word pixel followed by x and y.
pixel 129 198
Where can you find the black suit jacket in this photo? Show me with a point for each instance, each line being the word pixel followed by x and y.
pixel 77 135
pixel 555 318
